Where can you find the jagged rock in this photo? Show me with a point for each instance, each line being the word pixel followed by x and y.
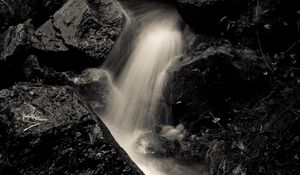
pixel 90 27
pixel 205 15
pixel 13 12
pixel 14 39
pixel 215 76
pixel 50 130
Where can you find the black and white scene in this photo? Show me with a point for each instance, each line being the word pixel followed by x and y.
pixel 149 87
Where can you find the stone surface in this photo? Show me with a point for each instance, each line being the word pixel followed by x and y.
pixel 95 85
pixel 14 39
pixel 211 77
pixel 89 27
pixel 50 130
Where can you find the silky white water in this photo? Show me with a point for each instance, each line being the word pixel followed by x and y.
pixel 138 84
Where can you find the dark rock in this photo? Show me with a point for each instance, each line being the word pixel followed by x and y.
pixel 205 15
pixel 95 86
pixel 217 75
pixel 14 39
pixel 13 42
pixel 47 38
pixel 13 12
pixel 50 130
pixel 89 27
pixel 35 73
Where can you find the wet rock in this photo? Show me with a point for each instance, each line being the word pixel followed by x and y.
pixel 13 12
pixel 50 130
pixel 159 146
pixel 152 144
pixel 205 15
pixel 90 27
pixel 95 86
pixel 217 75
pixel 14 39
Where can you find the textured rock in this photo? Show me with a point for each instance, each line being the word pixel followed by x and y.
pixel 90 27
pixel 14 39
pixel 49 130
pixel 95 86
pixel 215 76
pixel 47 38
pixel 13 12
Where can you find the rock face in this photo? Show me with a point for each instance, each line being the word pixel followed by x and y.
pixel 49 130
pixel 90 27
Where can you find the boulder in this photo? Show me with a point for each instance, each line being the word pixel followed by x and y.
pixel 217 75
pixel 90 27
pixel 50 130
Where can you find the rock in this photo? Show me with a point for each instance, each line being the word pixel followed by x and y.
pixel 158 146
pixel 152 144
pixel 205 15
pixel 13 42
pixel 13 12
pixel 95 86
pixel 47 38
pixel 217 75
pixel 14 39
pixel 50 130
pixel 90 27
pixel 35 73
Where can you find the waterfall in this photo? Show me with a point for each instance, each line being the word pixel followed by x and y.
pixel 138 63
pixel 142 78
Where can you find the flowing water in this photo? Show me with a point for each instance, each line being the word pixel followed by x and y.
pixel 147 47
